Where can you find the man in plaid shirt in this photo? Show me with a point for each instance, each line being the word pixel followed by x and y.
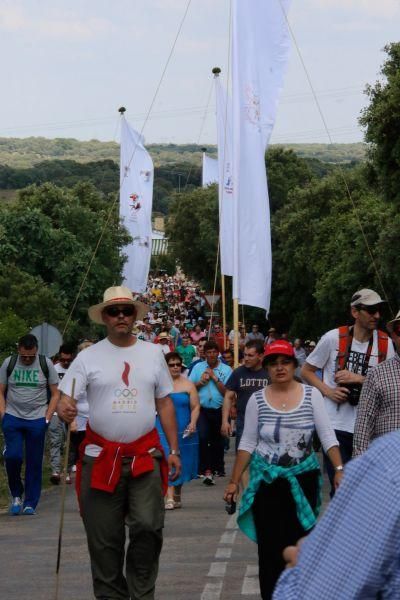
pixel 353 552
pixel 379 406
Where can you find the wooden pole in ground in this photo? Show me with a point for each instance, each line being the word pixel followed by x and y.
pixel 236 330
pixel 223 309
pixel 63 493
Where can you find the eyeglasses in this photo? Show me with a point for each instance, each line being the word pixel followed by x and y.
pixel 115 311
pixel 371 310
pixel 174 365
pixel 27 355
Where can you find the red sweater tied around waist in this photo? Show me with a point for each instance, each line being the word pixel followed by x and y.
pixel 106 471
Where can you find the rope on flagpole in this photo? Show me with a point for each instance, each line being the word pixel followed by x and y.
pixel 214 289
pixel 113 204
pixel 340 169
pixel 201 132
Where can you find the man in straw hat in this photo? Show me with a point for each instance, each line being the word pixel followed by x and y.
pixel 122 473
pixel 345 355
pixel 379 407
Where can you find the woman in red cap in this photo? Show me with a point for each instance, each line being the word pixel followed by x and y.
pixel 282 501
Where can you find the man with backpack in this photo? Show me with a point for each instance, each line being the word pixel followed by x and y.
pixel 25 412
pixel 345 355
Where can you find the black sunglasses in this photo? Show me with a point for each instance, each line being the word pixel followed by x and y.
pixel 371 310
pixel 115 311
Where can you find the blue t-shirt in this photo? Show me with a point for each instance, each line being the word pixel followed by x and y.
pixel 210 396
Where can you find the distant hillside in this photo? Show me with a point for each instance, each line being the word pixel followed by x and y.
pixel 24 153
pixel 331 153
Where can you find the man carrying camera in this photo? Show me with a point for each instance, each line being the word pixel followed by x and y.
pixel 345 355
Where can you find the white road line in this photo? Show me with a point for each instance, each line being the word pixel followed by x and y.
pixel 228 537
pixel 217 569
pixel 212 591
pixel 251 586
pixel 232 523
pixel 223 553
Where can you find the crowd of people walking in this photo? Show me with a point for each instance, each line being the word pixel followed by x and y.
pixel 152 405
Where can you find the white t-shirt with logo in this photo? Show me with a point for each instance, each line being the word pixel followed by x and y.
pixel 61 372
pixel 122 385
pixel 324 357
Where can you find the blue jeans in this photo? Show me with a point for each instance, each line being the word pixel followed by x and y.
pixel 32 433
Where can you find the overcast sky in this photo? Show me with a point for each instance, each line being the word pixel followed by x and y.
pixel 67 65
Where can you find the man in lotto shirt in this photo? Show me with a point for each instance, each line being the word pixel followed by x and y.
pixel 345 355
pixel 122 474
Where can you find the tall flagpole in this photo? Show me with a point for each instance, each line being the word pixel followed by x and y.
pixel 216 71
pixel 223 306
pixel 236 331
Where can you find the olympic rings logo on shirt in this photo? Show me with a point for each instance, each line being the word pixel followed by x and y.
pixel 126 393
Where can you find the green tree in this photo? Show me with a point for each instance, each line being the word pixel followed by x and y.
pixel 320 256
pixel 12 327
pixel 381 119
pixel 50 234
pixel 192 229
pixel 285 172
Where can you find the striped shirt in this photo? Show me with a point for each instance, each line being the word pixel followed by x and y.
pixel 379 406
pixel 353 552
pixel 284 438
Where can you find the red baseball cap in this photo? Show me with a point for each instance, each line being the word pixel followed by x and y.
pixel 279 347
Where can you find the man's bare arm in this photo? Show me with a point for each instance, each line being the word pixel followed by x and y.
pixel 226 408
pixel 3 388
pixel 66 408
pixel 337 394
pixel 52 407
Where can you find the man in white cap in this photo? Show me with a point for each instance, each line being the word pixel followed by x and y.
pixel 345 355
pixel 379 408
pixel 122 473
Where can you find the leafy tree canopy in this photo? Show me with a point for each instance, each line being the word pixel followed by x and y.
pixel 381 120
pixel 47 240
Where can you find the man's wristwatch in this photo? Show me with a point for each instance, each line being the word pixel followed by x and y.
pixel 175 452
pixel 339 468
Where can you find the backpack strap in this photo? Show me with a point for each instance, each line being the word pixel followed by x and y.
pixel 345 340
pixel 11 364
pixel 44 366
pixel 383 343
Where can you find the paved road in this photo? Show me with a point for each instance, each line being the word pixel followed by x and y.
pixel 204 557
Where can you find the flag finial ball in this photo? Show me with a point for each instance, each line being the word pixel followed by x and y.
pixel 216 71
pixel 122 109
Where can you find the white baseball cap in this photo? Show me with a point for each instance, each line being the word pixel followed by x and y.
pixel 366 297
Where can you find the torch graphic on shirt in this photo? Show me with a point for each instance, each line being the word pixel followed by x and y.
pixel 125 374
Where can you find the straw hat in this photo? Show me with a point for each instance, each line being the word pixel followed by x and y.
pixel 117 295
pixel 163 336
pixel 390 324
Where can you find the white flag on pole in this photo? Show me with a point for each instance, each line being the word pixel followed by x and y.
pixel 260 47
pixel 136 200
pixel 210 170
pixel 225 190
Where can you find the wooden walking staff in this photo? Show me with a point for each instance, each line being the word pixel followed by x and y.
pixel 63 493
pixel 236 331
